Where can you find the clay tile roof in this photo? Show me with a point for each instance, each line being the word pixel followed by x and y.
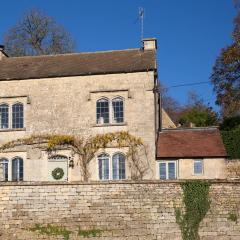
pixel 190 143
pixel 120 61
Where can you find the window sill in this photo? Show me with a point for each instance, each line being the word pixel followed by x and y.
pixel 109 124
pixel 12 129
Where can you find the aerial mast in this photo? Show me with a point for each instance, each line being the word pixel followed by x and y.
pixel 141 18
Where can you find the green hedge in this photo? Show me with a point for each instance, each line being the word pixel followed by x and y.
pixel 231 140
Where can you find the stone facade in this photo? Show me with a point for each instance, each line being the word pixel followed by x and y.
pixel 67 105
pixel 167 121
pixel 118 210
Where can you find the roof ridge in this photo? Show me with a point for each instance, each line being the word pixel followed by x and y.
pixel 191 129
pixel 77 53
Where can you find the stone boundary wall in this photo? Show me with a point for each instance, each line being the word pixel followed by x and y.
pixel 118 210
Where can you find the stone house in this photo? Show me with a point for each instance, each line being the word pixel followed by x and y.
pixel 96 93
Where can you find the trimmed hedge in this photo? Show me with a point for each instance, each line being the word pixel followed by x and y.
pixel 231 140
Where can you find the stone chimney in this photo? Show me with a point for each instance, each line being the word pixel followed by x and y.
pixel 2 53
pixel 149 43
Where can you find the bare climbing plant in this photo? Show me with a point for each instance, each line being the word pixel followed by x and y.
pixel 87 148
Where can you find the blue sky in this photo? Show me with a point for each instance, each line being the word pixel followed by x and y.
pixel 190 33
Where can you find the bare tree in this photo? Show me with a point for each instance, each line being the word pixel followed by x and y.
pixel 37 34
pixel 170 104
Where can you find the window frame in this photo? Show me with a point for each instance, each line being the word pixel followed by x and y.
pixel 5 161
pixel 112 166
pixel 113 111
pixel 202 165
pixel 98 122
pixel 12 116
pixel 109 166
pixel 8 115
pixel 167 169
pixel 20 177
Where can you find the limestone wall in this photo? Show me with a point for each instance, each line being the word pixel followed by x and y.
pixel 123 210
pixel 67 105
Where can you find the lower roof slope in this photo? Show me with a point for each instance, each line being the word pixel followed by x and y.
pixel 190 143
pixel 63 65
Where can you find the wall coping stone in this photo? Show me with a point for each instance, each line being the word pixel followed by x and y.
pixel 177 182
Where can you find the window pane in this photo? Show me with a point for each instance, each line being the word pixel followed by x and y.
pixel 162 170
pixel 118 110
pixel 102 111
pixel 103 165
pixel 119 171
pixel 171 170
pixel 198 167
pixel 4 168
pixel 17 169
pixel 17 115
pixel 4 111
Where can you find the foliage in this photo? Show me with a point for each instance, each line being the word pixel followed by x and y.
pixel 200 117
pixel 51 140
pixel 87 148
pixel 231 140
pixel 233 217
pixel 196 205
pixel 89 233
pixel 233 169
pixel 226 74
pixel 198 113
pixel 57 173
pixel 52 230
pixel 57 140
pixel 37 34
pixel 230 123
pixel 170 105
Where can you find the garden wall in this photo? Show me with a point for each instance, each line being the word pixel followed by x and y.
pixel 110 210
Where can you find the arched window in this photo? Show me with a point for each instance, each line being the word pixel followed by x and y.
pixel 4 169
pixel 17 115
pixel 103 166
pixel 118 166
pixel 17 169
pixel 102 110
pixel 4 116
pixel 118 113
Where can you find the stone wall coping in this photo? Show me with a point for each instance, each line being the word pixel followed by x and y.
pixel 215 181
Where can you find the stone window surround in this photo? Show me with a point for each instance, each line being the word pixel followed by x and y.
pixel 10 119
pixel 10 101
pixel 103 94
pixel 10 164
pixel 110 166
pixel 202 162
pixel 111 111
pixel 167 161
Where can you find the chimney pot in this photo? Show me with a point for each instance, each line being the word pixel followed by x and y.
pixel 149 43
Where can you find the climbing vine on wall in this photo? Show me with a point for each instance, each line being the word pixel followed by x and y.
pixel 196 205
pixel 231 140
pixel 86 148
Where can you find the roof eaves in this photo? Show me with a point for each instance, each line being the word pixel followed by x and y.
pixel 76 75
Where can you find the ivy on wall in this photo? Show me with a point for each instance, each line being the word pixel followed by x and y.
pixel 196 205
pixel 86 148
pixel 231 140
